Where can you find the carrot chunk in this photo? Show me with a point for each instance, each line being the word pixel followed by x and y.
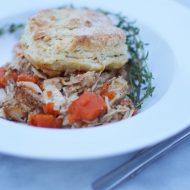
pixel 49 94
pixel 49 109
pixel 2 82
pixel 88 106
pixel 44 120
pixel 2 79
pixel 105 91
pixel 14 75
pixel 110 95
pixel 28 78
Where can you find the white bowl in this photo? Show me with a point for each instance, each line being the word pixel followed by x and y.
pixel 165 27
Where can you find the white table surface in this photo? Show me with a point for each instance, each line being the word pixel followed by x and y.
pixel 169 173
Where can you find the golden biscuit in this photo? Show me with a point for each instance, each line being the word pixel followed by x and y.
pixel 61 40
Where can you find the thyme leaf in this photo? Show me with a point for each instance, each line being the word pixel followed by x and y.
pixel 12 28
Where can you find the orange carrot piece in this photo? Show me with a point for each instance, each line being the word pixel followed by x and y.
pixel 110 95
pixel 49 109
pixel 2 82
pixel 49 94
pixel 2 79
pixel 88 106
pixel 105 91
pixel 44 120
pixel 29 78
pixel 14 75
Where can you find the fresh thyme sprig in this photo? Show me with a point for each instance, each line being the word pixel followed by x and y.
pixel 12 28
pixel 139 76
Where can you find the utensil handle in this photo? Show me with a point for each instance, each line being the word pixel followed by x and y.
pixel 135 165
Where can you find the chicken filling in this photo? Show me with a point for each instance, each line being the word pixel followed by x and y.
pixel 72 100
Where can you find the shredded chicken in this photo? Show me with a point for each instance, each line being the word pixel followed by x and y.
pixel 23 98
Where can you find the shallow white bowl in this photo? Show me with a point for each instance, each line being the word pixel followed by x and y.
pixel 165 26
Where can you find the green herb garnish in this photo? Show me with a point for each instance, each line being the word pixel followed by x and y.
pixel 12 28
pixel 139 76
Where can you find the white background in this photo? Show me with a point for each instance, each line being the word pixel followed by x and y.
pixel 169 173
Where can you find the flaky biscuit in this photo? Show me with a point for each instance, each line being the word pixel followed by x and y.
pixel 71 39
